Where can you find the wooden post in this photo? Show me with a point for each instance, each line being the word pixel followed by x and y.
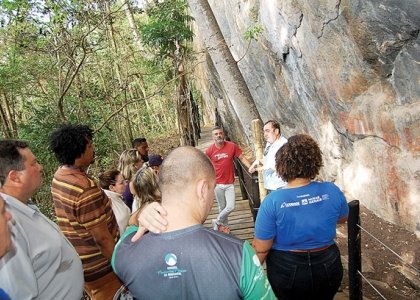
pixel 355 253
pixel 257 129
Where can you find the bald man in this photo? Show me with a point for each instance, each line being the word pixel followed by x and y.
pixel 189 261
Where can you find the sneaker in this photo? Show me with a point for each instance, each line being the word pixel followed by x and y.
pixel 215 224
pixel 224 229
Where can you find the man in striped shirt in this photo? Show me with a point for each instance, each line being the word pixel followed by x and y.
pixel 83 211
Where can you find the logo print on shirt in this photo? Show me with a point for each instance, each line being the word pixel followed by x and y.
pixel 306 201
pixel 221 155
pixel 172 271
pixel 171 259
pixel 289 204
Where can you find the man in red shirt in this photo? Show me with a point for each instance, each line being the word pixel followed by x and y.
pixel 221 154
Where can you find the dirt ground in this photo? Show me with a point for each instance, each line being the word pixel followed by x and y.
pixel 380 266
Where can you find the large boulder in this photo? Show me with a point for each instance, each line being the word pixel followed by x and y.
pixel 347 73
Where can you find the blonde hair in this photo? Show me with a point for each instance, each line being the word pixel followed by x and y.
pixel 146 187
pixel 127 161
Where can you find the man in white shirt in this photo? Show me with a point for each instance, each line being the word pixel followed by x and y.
pixel 274 139
pixel 41 264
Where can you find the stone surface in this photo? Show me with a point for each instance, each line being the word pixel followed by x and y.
pixel 367 264
pixel 345 71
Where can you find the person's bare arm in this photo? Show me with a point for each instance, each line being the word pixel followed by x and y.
pixel 103 239
pixel 254 166
pixel 262 247
pixel 245 161
pixel 151 218
pixel 133 220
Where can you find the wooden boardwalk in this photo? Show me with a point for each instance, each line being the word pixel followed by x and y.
pixel 240 220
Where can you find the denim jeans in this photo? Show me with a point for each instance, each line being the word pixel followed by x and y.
pixel 305 275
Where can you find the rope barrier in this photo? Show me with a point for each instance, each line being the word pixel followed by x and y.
pixel 392 251
pixel 367 280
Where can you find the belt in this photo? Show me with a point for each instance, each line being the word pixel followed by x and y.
pixel 312 250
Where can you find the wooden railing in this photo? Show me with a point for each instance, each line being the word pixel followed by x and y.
pixel 249 186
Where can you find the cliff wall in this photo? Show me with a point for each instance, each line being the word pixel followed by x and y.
pixel 345 72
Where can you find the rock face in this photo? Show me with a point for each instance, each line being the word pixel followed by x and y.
pixel 345 72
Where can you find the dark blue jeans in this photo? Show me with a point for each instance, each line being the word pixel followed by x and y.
pixel 305 275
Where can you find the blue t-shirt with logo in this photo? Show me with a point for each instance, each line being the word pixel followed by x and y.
pixel 301 218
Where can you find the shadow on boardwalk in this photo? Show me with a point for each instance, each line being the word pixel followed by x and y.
pixel 240 220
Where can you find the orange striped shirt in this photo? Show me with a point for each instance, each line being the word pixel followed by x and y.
pixel 80 205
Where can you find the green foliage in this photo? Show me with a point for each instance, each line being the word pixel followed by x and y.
pixel 253 32
pixel 167 26
pixel 253 13
pixel 40 122
pixel 61 52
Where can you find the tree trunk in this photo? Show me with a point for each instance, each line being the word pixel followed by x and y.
pixel 4 120
pixel 184 110
pixel 257 128
pixel 133 26
pixel 122 86
pixel 230 76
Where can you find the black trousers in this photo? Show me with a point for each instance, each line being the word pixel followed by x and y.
pixel 305 275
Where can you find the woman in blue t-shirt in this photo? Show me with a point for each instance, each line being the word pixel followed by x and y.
pixel 296 226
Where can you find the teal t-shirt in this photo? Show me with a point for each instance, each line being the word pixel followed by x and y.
pixel 192 263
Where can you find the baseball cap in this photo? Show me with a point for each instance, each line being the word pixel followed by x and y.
pixel 155 160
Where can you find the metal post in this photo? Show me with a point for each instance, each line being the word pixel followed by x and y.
pixel 255 192
pixel 355 253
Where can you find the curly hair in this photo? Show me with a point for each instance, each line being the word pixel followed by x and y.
pixel 69 142
pixel 300 157
pixel 10 157
pixel 108 178
pixel 146 187
pixel 127 161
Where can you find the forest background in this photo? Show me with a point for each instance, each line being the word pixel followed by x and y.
pixel 118 66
